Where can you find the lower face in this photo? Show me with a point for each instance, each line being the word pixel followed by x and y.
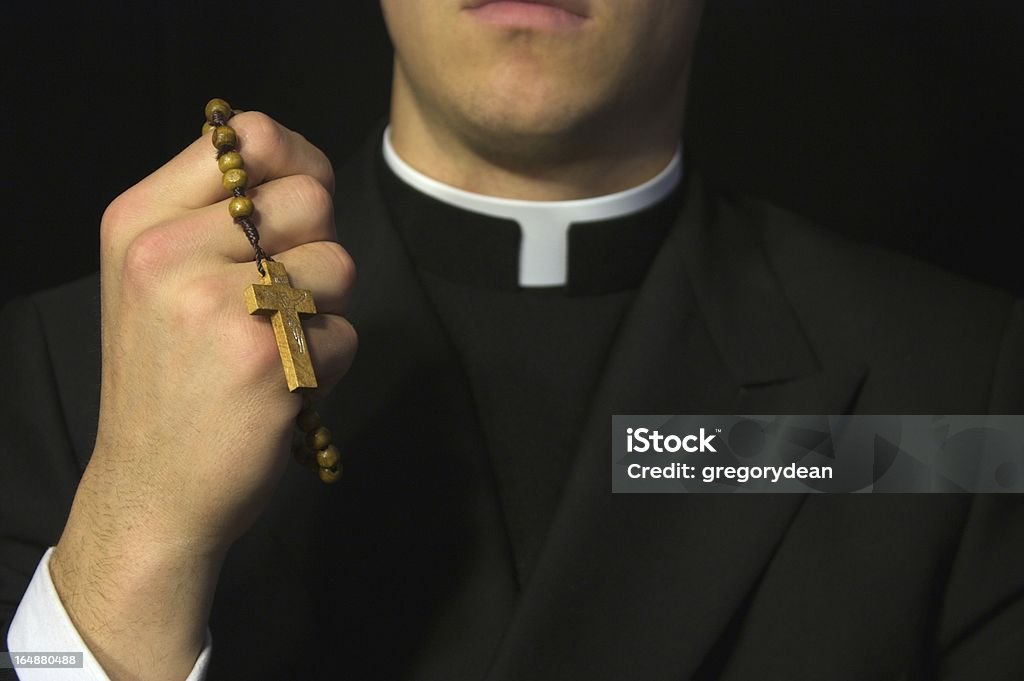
pixel 525 72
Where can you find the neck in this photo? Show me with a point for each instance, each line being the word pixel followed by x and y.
pixel 607 161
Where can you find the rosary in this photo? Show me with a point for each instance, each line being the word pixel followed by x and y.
pixel 274 297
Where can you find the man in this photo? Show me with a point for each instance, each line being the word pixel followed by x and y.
pixel 475 535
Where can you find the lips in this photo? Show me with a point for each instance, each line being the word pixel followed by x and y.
pixel 577 7
pixel 546 15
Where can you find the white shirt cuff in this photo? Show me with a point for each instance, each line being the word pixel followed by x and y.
pixel 42 625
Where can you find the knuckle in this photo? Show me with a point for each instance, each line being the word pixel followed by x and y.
pixel 115 217
pixel 341 264
pixel 148 257
pixel 351 336
pixel 312 196
pixel 198 303
pixel 260 134
pixel 321 167
pixel 347 267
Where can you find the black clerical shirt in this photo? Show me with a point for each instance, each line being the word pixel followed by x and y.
pixel 532 356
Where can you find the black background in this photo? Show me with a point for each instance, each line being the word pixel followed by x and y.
pixel 895 122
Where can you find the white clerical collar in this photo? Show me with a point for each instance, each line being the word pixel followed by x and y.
pixel 543 253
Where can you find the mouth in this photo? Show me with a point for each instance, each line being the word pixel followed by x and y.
pixel 539 15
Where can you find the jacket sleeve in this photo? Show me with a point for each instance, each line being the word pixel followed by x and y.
pixel 38 470
pixel 981 629
pixel 981 632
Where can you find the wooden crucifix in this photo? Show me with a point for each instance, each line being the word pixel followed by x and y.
pixel 276 298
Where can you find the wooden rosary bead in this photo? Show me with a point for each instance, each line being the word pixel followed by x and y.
pixel 229 161
pixel 241 207
pixel 318 439
pixel 224 137
pixel 330 475
pixel 327 457
pixel 308 420
pixel 234 178
pixel 217 106
pixel 314 449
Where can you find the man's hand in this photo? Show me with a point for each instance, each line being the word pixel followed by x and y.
pixel 195 416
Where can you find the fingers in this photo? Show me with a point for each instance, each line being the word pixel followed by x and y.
pixel 332 342
pixel 216 300
pixel 325 269
pixel 173 232
pixel 192 180
pixel 332 346
pixel 270 151
pixel 289 212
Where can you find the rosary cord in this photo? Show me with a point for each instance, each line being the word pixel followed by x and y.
pixel 312 445
pixel 226 144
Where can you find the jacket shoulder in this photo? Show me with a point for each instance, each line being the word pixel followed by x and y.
pixel 918 327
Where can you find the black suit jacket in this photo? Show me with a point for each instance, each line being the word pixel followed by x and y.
pixel 405 570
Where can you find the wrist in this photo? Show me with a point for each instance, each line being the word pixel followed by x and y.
pixel 141 608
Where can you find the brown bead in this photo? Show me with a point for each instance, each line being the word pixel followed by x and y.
pixel 224 136
pixel 230 161
pixel 308 420
pixel 319 438
pixel 215 106
pixel 234 178
pixel 207 129
pixel 330 475
pixel 327 457
pixel 241 207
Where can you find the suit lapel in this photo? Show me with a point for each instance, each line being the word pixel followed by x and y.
pixel 642 586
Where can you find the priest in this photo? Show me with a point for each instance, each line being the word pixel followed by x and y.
pixel 534 256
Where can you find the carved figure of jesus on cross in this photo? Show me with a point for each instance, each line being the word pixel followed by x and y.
pixel 276 298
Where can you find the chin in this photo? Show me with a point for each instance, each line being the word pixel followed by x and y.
pixel 519 116
pixel 524 137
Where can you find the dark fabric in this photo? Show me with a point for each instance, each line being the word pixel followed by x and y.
pixel 533 361
pixel 533 356
pixel 405 569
